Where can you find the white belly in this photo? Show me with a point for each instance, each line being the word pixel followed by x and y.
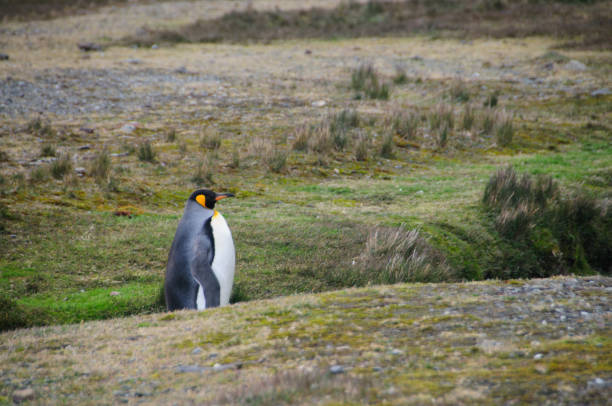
pixel 224 262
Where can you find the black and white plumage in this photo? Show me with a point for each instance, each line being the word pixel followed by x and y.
pixel 201 262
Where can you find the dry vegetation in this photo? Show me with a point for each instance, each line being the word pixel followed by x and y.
pixel 589 20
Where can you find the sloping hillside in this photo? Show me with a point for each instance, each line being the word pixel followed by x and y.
pixel 543 341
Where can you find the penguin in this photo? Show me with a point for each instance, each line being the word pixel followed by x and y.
pixel 200 269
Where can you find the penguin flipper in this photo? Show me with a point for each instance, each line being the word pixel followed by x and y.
pixel 203 273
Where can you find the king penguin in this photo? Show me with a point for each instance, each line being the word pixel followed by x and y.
pixel 200 270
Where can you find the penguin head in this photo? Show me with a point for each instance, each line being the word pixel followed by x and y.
pixel 208 198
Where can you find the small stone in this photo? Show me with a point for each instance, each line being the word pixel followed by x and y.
pixel 87 130
pixel 80 171
pixel 89 46
pixel 127 128
pixel 601 92
pixel 182 70
pixel 196 351
pixel 377 369
pixel 133 61
pixel 336 369
pixel 420 192
pixel 319 103
pixel 154 46
pixel 395 351
pixel 23 395
pixel 575 65
pixel 538 356
pixel 84 147
pixel 4 57
pixel 541 369
pixel 114 293
pixel 308 52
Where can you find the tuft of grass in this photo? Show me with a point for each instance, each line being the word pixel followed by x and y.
pixel 171 135
pixel 145 152
pixel 47 150
pixel 488 118
pixel 344 120
pixel 205 171
pixel 442 116
pixel 562 233
pixel 405 124
pixel 301 137
pixel 468 117
pixel 394 255
pixel 491 100
pixel 365 81
pixel 61 166
pixel 505 130
pixel 235 162
pixel 4 156
pixel 41 128
pixel 443 135
pixel 39 175
pixel 321 140
pixel 210 139
pixel 459 92
pixel 276 159
pixel 362 148
pixel 386 148
pixel 400 77
pixel 100 166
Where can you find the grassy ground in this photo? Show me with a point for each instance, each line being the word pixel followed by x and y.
pixel 94 246
pixel 480 343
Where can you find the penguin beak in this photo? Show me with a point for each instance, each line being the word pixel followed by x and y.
pixel 223 196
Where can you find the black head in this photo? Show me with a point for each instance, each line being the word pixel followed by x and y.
pixel 208 198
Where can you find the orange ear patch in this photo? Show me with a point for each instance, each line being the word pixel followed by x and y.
pixel 201 199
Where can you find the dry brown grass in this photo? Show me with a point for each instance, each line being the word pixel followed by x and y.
pixel 591 22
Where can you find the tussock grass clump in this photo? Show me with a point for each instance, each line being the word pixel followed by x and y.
pixel 344 120
pixel 272 156
pixel 441 116
pixel 171 135
pixel 210 139
pixel 39 175
pixel 386 148
pixel 204 172
pixel 491 100
pixel 145 152
pixel 506 189
pixel 235 162
pixel 565 233
pixel 468 117
pixel 400 77
pixel 505 130
pixel 47 150
pixel 394 255
pixel 365 81
pixel 276 159
pixel 61 166
pixel 301 137
pixel 405 124
pixel 443 135
pixel 40 127
pixel 100 166
pixel 362 149
pixel 488 118
pixel 459 92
